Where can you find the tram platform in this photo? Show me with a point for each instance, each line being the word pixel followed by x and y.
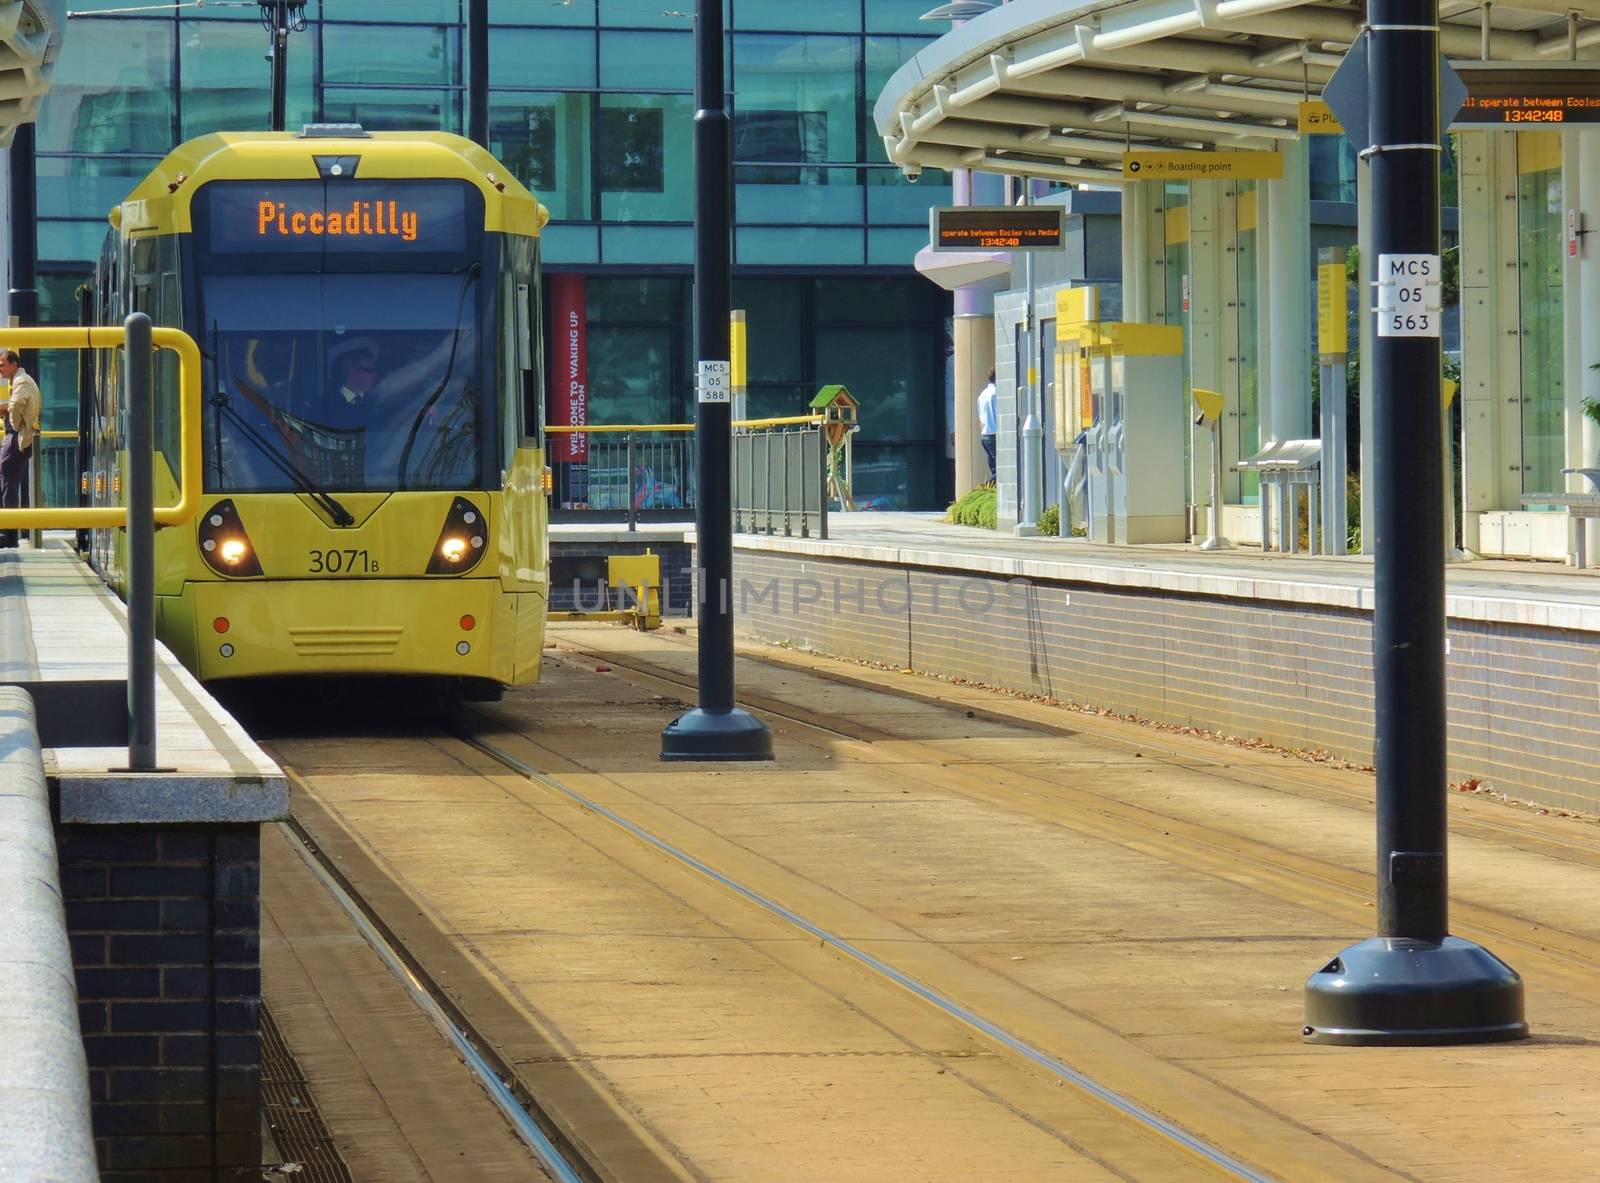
pixel 159 878
pixel 1260 646
pixel 59 624
pixel 810 969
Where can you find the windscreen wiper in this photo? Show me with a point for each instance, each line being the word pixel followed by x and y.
pixel 474 269
pixel 340 515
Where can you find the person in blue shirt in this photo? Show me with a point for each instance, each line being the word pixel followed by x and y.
pixel 988 421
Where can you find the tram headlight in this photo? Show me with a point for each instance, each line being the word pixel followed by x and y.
pixel 462 541
pixel 224 544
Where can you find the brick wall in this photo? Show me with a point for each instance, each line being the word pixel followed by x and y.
pixel 1522 701
pixel 164 923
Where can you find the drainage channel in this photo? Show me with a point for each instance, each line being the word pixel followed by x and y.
pixel 1217 1158
pixel 532 1125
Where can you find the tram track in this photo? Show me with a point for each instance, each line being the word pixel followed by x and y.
pixel 538 1127
pixel 1283 874
pixel 1568 957
pixel 532 1124
pixel 1224 1164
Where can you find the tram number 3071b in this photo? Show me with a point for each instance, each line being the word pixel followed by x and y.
pixel 342 562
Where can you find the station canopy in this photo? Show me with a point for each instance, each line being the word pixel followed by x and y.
pixel 1060 91
pixel 30 39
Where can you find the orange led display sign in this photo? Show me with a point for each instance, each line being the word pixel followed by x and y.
pixel 363 219
pixel 423 220
pixel 998 227
pixel 1528 93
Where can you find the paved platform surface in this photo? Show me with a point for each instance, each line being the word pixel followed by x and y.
pixel 58 622
pixel 1541 594
pixel 1143 905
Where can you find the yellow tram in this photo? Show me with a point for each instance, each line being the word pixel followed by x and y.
pixel 367 305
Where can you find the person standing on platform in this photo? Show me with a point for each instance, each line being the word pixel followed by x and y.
pixel 22 427
pixel 988 422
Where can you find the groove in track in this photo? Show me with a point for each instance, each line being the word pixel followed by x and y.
pixel 1131 1110
pixel 530 1121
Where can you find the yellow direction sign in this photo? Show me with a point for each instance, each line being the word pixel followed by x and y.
pixel 1202 166
pixel 1333 312
pixel 1318 119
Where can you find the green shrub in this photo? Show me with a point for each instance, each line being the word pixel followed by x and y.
pixel 1050 521
pixel 977 508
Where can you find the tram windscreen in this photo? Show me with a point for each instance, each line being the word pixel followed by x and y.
pixel 343 366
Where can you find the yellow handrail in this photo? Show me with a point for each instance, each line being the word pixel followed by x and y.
pixel 100 517
pixel 58 435
pixel 598 429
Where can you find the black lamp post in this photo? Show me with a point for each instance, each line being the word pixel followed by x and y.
pixel 716 729
pixel 1413 983
pixel 280 18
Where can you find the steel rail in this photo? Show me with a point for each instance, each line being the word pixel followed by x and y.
pixel 445 1019
pixel 1132 1110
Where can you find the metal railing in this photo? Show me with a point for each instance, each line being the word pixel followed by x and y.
pixel 780 480
pixel 140 515
pixel 629 472
pixel 635 472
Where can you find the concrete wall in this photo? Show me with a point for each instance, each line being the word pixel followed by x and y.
pixel 1521 699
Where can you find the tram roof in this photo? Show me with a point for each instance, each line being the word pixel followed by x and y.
pixel 161 201
pixel 30 39
pixel 1060 90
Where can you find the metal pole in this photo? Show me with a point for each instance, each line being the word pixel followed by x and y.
pixel 1030 447
pixel 35 489
pixel 141 544
pixel 22 301
pixel 478 72
pixel 627 485
pixel 1216 541
pixel 1408 643
pixel 716 729
pixel 1413 983
pixel 280 64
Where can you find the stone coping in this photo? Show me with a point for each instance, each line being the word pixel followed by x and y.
pixel 1168 571
pixel 44 1083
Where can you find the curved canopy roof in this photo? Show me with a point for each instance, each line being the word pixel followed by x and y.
pixel 30 39
pixel 1056 89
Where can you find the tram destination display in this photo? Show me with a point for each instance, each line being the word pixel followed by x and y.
pixel 1528 93
pixel 998 227
pixel 396 217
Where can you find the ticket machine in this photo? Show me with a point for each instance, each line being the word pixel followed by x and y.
pixel 1120 387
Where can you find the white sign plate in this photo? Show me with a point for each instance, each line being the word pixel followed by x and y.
pixel 713 382
pixel 1409 296
pixel 1410 324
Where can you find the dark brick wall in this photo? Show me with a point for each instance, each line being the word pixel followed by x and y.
pixel 578 571
pixel 165 929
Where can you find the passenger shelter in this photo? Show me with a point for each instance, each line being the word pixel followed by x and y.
pixel 1025 97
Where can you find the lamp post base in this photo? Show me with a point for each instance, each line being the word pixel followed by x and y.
pixel 716 735
pixel 1401 992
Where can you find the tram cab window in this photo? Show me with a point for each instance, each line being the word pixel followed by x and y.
pixel 357 384
pixel 353 326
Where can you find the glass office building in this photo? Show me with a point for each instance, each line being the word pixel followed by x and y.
pixel 591 105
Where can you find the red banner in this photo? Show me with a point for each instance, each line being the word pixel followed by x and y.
pixel 569 366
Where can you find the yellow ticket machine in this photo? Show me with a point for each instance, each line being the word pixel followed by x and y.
pixel 1119 387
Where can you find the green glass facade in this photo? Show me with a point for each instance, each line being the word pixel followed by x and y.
pixel 591 105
